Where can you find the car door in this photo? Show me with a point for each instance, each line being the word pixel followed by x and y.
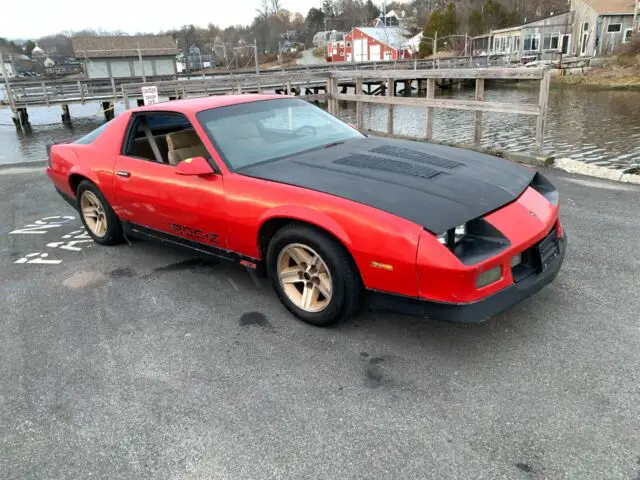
pixel 154 199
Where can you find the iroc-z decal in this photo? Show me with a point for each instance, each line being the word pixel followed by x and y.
pixel 196 234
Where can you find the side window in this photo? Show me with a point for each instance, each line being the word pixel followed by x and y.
pixel 166 138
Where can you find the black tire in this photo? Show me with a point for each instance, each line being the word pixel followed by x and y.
pixel 345 277
pixel 113 234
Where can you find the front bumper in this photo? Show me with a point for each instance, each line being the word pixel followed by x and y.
pixel 475 312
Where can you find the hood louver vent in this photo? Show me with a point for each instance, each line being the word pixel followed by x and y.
pixel 416 156
pixel 366 162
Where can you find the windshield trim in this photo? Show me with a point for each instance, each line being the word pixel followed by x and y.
pixel 221 154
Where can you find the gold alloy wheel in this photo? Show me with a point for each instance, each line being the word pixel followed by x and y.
pixel 93 213
pixel 304 277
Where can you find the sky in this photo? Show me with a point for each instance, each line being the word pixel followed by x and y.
pixel 130 16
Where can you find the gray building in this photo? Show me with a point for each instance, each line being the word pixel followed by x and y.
pixel 601 25
pixel 119 57
pixel 546 39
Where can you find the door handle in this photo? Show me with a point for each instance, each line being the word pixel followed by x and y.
pixel 120 173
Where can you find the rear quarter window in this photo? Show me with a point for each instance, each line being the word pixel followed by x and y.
pixel 93 135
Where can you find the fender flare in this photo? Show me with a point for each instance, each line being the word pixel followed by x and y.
pixel 307 215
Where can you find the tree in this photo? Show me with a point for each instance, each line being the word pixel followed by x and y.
pixel 28 47
pixel 371 11
pixel 433 25
pixel 445 24
pixel 313 23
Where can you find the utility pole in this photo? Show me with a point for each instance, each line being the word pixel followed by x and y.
pixel 635 16
pixel 435 46
pixel 255 56
pixel 7 83
pixel 144 77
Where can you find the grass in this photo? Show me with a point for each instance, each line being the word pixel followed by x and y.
pixel 614 78
pixel 621 73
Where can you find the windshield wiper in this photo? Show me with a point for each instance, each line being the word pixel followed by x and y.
pixel 334 144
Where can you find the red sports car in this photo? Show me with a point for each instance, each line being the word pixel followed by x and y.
pixel 335 219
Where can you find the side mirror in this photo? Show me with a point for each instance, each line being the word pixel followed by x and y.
pixel 196 166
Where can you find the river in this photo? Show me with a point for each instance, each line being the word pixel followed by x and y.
pixel 598 127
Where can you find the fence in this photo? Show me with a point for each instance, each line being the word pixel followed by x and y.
pixel 478 106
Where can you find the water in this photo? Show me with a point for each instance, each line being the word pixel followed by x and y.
pixel 599 127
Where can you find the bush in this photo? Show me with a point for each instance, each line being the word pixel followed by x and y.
pixel 629 53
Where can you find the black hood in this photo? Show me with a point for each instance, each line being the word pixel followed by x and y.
pixel 434 186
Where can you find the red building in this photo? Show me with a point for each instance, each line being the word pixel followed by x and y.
pixel 335 51
pixel 370 44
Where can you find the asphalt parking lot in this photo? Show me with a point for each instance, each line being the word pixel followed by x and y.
pixel 137 362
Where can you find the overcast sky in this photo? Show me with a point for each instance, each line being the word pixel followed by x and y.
pixel 37 18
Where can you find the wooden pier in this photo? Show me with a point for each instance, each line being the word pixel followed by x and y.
pixel 331 86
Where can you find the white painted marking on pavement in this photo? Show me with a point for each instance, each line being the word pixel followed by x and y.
pixel 40 258
pixel 40 227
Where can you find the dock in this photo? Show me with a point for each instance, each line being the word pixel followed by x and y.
pixel 386 86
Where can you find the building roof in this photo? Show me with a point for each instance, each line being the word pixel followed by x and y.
pixel 612 7
pixel 391 36
pixel 124 46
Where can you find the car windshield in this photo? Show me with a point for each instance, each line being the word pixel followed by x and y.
pixel 256 132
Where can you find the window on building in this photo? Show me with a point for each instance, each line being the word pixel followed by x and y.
pixel 614 28
pixel 628 33
pixel 585 26
pixel 546 42
pixel 532 43
pixel 555 41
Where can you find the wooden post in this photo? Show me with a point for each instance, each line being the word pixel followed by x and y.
pixel 359 116
pixel 289 86
pixel 329 101
pixel 184 92
pixel 81 90
pixel 66 116
pixel 543 103
pixel 115 92
pixel 477 115
pixel 431 95
pixel 391 92
pixel 125 97
pixel 46 95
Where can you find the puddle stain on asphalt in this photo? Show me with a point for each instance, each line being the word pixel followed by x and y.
pixel 255 319
pixel 122 273
pixel 189 264
pixel 525 467
pixel 373 373
pixel 81 280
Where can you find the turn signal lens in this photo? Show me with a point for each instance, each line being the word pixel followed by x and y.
pixel 489 277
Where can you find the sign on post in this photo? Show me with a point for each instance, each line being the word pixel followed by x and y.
pixel 150 95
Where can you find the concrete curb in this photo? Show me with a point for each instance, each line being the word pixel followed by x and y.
pixel 575 166
pixel 37 163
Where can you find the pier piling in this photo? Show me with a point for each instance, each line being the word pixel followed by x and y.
pixel 66 116
pixel 108 110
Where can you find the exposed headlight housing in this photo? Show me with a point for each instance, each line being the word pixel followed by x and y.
pixel 453 237
pixel 474 241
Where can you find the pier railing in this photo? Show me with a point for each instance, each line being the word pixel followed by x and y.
pixel 429 102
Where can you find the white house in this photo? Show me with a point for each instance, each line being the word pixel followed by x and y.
pixel 601 25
